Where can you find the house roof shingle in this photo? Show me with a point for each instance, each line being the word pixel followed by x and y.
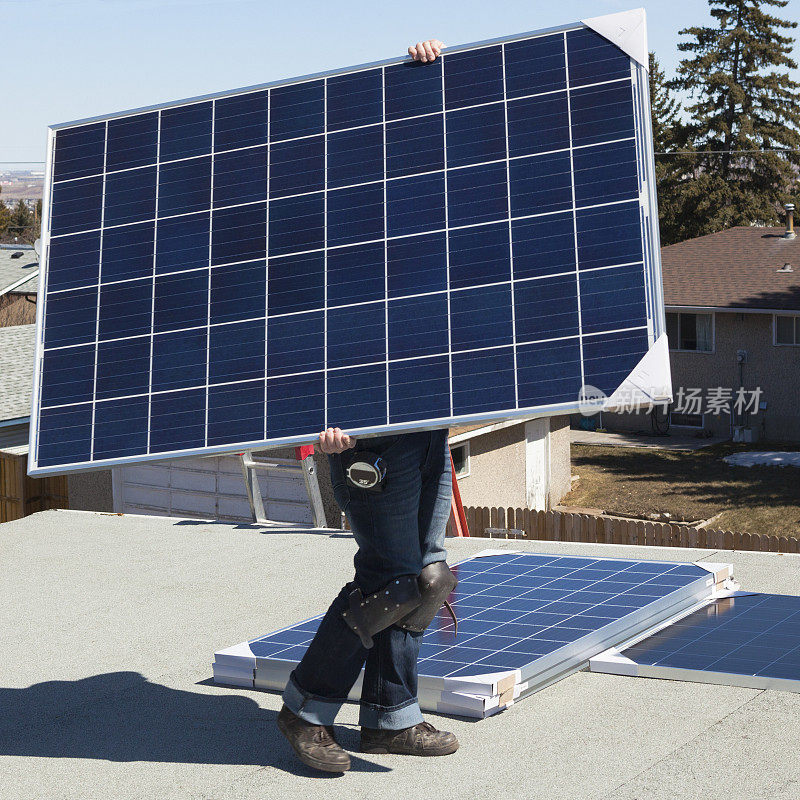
pixel 735 268
pixel 14 269
pixel 16 367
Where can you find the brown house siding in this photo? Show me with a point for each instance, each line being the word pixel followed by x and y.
pixel 17 309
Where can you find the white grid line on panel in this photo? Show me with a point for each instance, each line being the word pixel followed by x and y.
pixel 374 363
pixel 341 130
pixel 99 284
pixel 385 244
pixel 325 262
pixel 210 262
pixel 574 212
pixel 510 233
pixel 359 303
pixel 447 242
pixel 153 287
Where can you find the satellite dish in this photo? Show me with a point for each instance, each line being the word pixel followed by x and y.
pixel 37 246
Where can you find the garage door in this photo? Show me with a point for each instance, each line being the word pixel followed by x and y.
pixel 208 488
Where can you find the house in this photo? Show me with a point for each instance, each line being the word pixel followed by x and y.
pixel 733 320
pixel 19 282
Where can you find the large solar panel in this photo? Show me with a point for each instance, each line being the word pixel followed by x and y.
pixel 745 640
pixel 388 247
pixel 525 620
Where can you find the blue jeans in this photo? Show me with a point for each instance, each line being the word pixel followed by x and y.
pixel 398 531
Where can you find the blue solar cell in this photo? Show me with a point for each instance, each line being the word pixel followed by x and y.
pixel 240 233
pixel 546 308
pixel 79 151
pixel 296 343
pixel 120 427
pixel 132 141
pixel 185 131
pixel 131 196
pixel 123 367
pixel 477 194
pixel 296 283
pixel 538 124
pixel 355 215
pixel 602 113
pixel 73 261
pixel 355 99
pixel 236 351
pixel 240 176
pixel 356 334
pixel 356 274
pixel 491 328
pixel 418 326
pixel 177 420
pixel 612 297
pixel 473 77
pixel 297 110
pixel 413 88
pixel 479 255
pixel 236 413
pixel 181 301
pixel 535 65
pixel 295 402
pixel 540 184
pixel 592 58
pixel 355 156
pixel 238 291
pixel 475 135
pixel 419 389
pixel 71 318
pixel 183 242
pixel 357 393
pixel 296 224
pixel 549 372
pixel 609 358
pixel 415 145
pixel 417 264
pixel 125 309
pixel 610 235
pixel 415 205
pixel 606 174
pixel 297 166
pixel 483 380
pixel 66 434
pixel 128 251
pixel 68 375
pixel 241 121
pixel 77 205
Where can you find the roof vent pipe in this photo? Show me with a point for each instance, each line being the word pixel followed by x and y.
pixel 790 234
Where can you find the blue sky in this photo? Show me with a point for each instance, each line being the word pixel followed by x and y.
pixel 68 59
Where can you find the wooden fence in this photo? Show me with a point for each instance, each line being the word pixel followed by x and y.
pixel 564 526
pixel 21 495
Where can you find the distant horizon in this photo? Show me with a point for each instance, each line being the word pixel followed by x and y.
pixel 127 54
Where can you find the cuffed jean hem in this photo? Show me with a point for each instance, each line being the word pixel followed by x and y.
pixel 390 719
pixel 313 709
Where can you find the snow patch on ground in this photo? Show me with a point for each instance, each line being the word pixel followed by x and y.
pixel 769 459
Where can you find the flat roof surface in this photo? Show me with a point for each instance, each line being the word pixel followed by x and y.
pixel 105 693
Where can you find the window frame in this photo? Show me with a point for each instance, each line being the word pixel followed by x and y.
pixel 775 342
pixel 466 470
pixel 702 416
pixel 713 316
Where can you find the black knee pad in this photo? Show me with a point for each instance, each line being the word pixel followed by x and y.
pixel 369 614
pixel 435 582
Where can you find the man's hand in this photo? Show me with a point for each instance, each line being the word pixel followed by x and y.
pixel 334 440
pixel 426 51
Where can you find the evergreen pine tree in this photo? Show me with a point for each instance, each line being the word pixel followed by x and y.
pixel 743 101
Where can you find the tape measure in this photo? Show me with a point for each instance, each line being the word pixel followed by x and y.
pixel 366 470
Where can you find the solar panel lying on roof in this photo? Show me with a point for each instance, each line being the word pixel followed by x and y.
pixel 388 247
pixel 525 620
pixel 748 640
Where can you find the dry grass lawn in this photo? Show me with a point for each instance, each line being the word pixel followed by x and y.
pixel 689 486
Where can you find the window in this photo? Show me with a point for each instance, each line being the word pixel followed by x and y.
pixel 693 332
pixel 460 454
pixel 787 330
pixel 686 420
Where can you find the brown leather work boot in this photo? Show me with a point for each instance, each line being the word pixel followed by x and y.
pixel 314 744
pixel 420 740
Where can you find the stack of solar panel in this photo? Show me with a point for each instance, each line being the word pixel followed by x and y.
pixel 526 621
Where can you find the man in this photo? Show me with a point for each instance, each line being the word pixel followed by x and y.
pixel 400 570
